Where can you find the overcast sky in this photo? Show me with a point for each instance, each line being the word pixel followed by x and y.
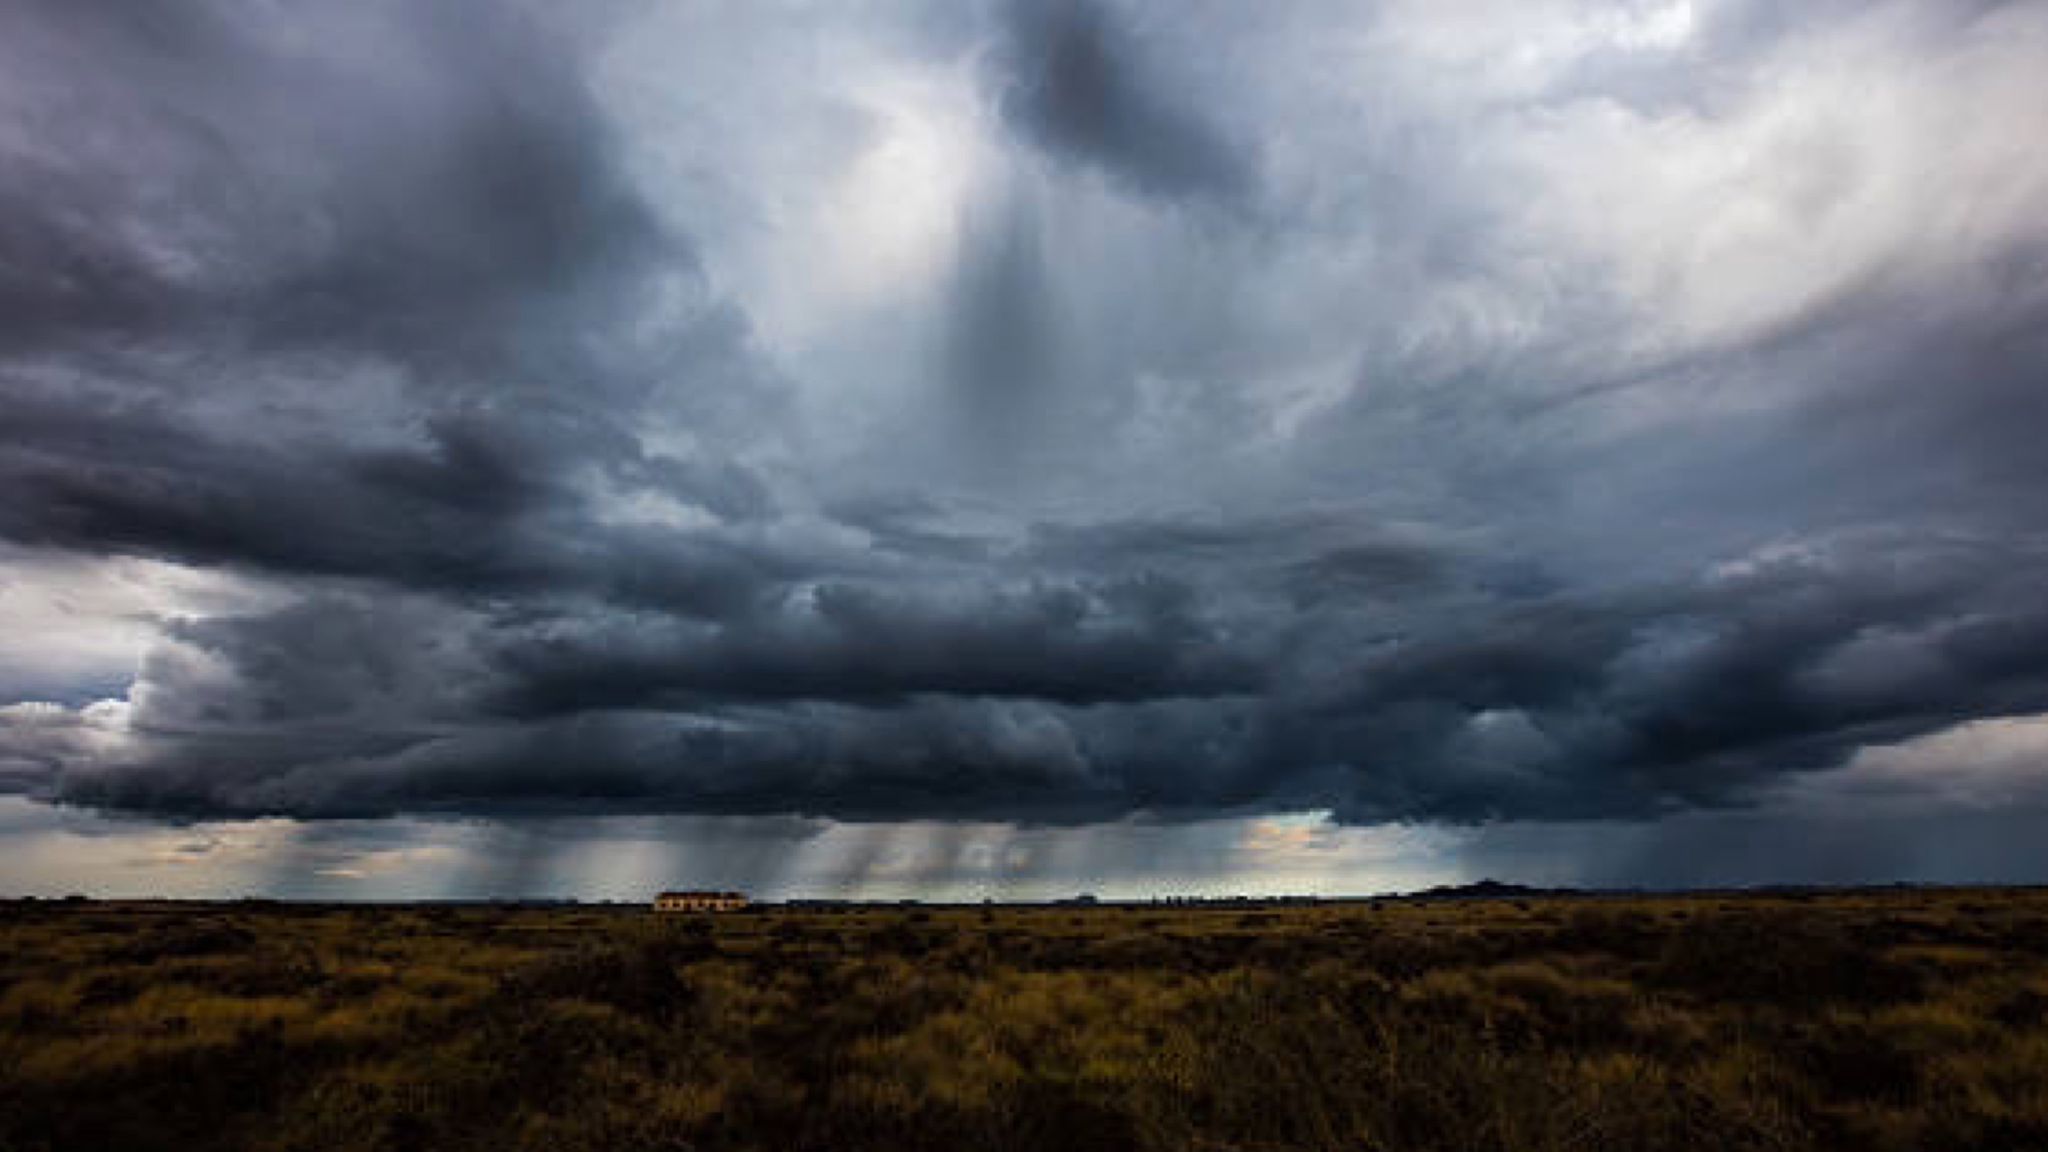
pixel 1006 448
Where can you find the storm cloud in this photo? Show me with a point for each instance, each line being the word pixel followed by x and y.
pixel 1055 414
pixel 1078 83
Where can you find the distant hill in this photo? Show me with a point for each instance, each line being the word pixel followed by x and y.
pixel 1484 890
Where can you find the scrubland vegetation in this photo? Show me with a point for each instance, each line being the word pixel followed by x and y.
pixel 1892 1020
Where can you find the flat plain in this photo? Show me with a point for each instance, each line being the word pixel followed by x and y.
pixel 1883 1019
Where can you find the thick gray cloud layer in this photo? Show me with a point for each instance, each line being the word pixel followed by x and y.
pixel 1045 412
pixel 1076 84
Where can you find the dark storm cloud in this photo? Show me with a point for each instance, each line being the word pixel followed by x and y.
pixel 868 707
pixel 1131 640
pixel 1431 495
pixel 432 201
pixel 176 491
pixel 427 172
pixel 1317 554
pixel 903 523
pixel 1076 81
pixel 479 508
pixel 1696 696
pixel 37 740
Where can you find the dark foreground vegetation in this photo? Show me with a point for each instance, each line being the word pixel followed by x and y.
pixel 1893 1020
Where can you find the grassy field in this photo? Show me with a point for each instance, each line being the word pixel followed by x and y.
pixel 1885 1020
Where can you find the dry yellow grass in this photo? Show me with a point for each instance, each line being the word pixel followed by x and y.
pixel 1906 1020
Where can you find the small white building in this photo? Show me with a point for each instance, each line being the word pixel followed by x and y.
pixel 700 902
